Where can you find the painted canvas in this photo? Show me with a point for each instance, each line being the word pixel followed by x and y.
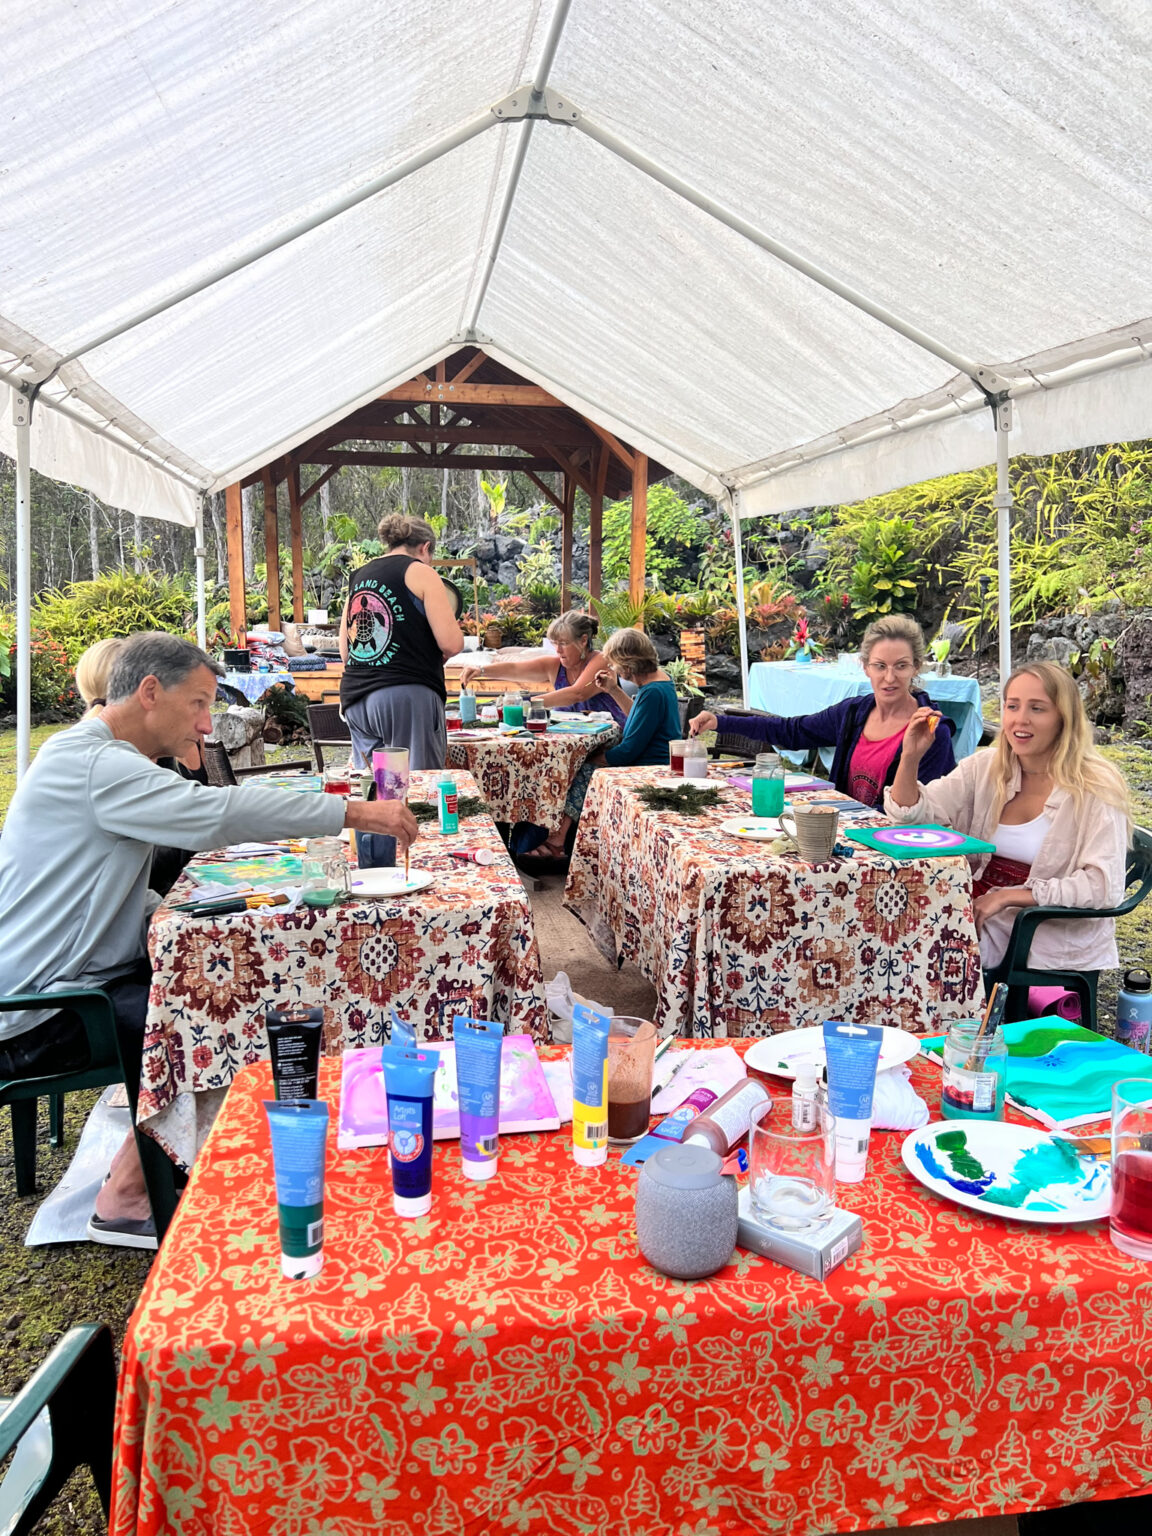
pixel 1061 1073
pixel 526 1102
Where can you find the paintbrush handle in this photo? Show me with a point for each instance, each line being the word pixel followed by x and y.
pixel 990 1023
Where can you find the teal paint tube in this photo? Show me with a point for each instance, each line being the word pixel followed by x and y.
pixel 299 1129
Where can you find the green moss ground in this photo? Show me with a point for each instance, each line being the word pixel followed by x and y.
pixel 45 1291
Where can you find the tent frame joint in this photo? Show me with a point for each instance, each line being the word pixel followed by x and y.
pixel 527 102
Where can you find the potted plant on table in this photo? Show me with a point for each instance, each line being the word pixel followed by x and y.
pixel 804 647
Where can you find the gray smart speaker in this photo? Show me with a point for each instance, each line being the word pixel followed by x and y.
pixel 686 1212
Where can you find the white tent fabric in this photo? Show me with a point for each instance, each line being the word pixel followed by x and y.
pixel 980 172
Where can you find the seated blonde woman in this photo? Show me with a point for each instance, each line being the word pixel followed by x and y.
pixel 652 722
pixel 569 676
pixel 92 674
pixel 1056 810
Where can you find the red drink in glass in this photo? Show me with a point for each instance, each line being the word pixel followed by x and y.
pixel 334 785
pixel 676 763
pixel 1132 1203
pixel 453 721
pixel 539 726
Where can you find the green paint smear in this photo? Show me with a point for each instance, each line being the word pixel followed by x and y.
pixel 1038 1168
pixel 955 1143
pixel 1025 1038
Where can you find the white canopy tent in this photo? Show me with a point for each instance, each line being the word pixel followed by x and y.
pixel 795 252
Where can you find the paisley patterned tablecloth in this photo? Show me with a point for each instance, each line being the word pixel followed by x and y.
pixel 737 941
pixel 466 944
pixel 509 1364
pixel 527 778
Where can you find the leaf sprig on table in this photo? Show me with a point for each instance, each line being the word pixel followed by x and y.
pixel 466 805
pixel 685 799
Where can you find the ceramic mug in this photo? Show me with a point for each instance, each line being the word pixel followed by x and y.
pixel 814 829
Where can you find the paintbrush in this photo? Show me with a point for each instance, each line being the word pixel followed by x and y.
pixel 993 1014
pixel 1097 1147
pixel 407 856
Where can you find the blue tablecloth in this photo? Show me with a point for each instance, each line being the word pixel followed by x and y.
pixel 254 684
pixel 803 688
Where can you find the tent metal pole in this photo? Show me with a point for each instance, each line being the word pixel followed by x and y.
pixel 22 417
pixel 201 552
pixel 986 378
pixel 1002 415
pixel 738 547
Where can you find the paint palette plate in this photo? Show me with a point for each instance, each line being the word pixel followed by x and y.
pixel 782 1054
pixel 762 829
pixel 388 882
pixel 1006 1170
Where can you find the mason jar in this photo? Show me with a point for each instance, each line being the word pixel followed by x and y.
pixel 975 1072
pixel 768 785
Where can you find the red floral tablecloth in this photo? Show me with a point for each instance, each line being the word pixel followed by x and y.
pixel 509 1364
pixel 466 944
pixel 737 941
pixel 527 778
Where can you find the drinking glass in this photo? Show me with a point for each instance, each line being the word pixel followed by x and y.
pixel 676 757
pixel 325 865
pixel 452 720
pixel 390 770
pixel 337 781
pixel 538 718
pixel 631 1057
pixel 1131 1219
pixel 792 1173
pixel 695 759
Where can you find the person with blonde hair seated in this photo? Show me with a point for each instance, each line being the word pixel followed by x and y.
pixel 92 674
pixel 652 722
pixel 1057 811
pixel 866 732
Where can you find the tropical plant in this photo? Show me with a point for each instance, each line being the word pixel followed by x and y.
pixel 681 674
pixel 53 688
pixel 536 568
pixel 693 609
pixel 121 603
pixel 802 642
pixel 618 611
pixel 884 577
pixel 495 493
pixel 677 532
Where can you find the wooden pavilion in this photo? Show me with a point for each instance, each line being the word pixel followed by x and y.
pixel 453 417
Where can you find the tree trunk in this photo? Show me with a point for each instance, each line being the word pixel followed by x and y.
pixel 325 494
pixel 249 519
pixel 216 505
pixel 120 536
pixel 404 473
pixel 93 536
pixel 137 541
pixel 447 473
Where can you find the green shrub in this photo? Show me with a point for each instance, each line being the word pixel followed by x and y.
pixel 677 533
pixel 122 603
pixel 884 577
pixel 53 685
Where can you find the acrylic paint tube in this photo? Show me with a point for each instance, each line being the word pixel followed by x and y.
pixel 294 1045
pixel 403 1034
pixel 474 855
pixel 478 1046
pixel 853 1051
pixel 298 1128
pixel 408 1079
pixel 723 1123
pixel 589 1086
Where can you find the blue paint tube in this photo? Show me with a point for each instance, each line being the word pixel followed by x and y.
pixel 299 1128
pixel 853 1051
pixel 478 1046
pixel 408 1081
pixel 589 1086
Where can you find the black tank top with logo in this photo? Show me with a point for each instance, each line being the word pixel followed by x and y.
pixel 390 641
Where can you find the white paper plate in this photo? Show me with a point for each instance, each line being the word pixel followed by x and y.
pixel 1013 1162
pixel 389 882
pixel 780 1054
pixel 762 829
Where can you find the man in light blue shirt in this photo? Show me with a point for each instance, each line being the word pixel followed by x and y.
pixel 75 856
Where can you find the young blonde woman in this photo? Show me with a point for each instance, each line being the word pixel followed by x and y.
pixel 866 732
pixel 569 676
pixel 1056 810
pixel 92 674
pixel 652 721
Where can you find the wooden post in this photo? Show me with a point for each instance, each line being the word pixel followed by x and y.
pixel 237 602
pixel 297 531
pixel 271 548
pixel 639 529
pixel 596 524
pixel 567 530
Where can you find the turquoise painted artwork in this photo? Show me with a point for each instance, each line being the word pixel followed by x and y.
pixel 1010 1170
pixel 1061 1073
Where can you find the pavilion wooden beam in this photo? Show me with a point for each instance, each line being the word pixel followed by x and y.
pixel 401 432
pixel 237 603
pixel 430 461
pixel 469 368
pixel 297 535
pixel 426 391
pixel 333 469
pixel 556 501
pixel 567 529
pixel 610 442
pixel 568 463
pixel 271 549
pixel 639 530
pixel 596 524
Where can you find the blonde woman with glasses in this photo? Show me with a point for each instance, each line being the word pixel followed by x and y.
pixel 867 733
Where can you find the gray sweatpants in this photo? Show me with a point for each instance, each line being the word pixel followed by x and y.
pixel 406 716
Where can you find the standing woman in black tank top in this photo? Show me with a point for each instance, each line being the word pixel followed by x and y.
pixel 398 629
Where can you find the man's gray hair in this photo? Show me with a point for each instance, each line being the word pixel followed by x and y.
pixel 168 658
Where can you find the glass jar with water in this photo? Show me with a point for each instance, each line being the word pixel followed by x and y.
pixel 975 1072
pixel 768 785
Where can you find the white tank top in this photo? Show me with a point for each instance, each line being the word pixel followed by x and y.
pixel 1022 843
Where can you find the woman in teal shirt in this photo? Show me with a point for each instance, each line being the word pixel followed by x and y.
pixel 652 723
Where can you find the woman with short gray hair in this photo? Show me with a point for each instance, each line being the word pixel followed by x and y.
pixel 569 677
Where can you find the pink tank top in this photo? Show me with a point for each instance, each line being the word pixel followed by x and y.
pixel 869 767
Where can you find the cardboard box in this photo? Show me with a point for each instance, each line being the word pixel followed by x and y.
pixel 814 1253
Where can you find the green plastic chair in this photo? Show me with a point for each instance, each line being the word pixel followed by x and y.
pixel 21 1094
pixel 63 1418
pixel 1019 976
